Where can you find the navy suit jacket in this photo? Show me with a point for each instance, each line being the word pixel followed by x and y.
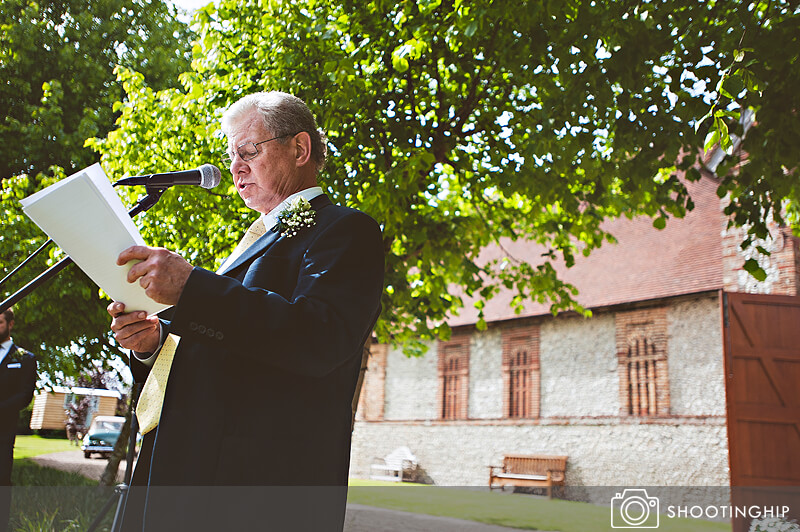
pixel 261 386
pixel 17 383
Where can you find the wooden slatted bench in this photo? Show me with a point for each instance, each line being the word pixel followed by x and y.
pixel 523 470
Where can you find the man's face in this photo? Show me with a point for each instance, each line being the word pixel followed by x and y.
pixel 5 328
pixel 269 178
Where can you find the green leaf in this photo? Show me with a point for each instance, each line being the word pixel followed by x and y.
pixel 732 86
pixel 399 61
pixel 472 27
pixel 751 82
pixel 752 267
pixel 711 139
pixel 699 123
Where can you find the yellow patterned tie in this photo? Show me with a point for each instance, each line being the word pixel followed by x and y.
pixel 148 410
pixel 254 232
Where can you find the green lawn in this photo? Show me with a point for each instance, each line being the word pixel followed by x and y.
pixel 55 507
pixel 27 446
pixel 46 499
pixel 521 511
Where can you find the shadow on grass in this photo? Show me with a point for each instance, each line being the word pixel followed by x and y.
pixel 45 499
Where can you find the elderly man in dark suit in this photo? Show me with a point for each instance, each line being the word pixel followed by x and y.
pixel 17 383
pixel 267 349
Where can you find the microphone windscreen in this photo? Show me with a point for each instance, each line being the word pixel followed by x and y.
pixel 210 176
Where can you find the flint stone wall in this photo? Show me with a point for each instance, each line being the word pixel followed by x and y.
pixel 580 408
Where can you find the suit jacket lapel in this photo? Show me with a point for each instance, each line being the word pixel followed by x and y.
pixel 320 201
pixel 269 238
pixel 9 355
pixel 257 247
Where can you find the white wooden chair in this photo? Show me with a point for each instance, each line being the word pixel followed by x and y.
pixel 393 466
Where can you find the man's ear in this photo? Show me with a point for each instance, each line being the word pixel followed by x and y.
pixel 302 145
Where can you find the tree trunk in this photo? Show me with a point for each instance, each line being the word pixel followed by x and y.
pixel 364 361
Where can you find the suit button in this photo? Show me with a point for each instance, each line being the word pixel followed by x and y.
pixel 210 332
pixel 201 329
pixel 193 326
pixel 219 335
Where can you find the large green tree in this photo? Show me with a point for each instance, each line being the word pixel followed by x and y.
pixel 459 124
pixel 57 61
pixel 58 87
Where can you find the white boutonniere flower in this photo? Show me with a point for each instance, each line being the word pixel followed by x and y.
pixel 297 215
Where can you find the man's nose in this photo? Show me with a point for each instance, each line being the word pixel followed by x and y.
pixel 237 163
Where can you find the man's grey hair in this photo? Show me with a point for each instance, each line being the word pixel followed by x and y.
pixel 283 114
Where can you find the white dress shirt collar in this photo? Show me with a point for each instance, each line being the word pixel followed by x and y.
pixel 271 218
pixel 4 348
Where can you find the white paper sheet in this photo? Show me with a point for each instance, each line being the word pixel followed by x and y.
pixel 85 217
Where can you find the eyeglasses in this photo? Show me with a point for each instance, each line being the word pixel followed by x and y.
pixel 248 150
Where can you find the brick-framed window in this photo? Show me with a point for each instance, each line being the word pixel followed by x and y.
pixel 642 362
pixel 454 378
pixel 521 378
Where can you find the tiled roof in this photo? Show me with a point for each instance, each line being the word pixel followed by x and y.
pixel 645 263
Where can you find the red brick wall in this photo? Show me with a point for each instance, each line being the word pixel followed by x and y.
pixel 787 260
pixel 795 241
pixel 372 400
pixel 783 264
pixel 632 326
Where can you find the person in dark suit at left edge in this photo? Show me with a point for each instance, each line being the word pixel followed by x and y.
pixel 17 382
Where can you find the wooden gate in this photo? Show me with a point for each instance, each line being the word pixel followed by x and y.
pixel 762 370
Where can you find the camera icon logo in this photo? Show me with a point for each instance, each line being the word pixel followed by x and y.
pixel 634 508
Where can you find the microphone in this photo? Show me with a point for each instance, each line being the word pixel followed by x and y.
pixel 207 176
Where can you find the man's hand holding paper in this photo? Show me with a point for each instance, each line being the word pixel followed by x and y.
pixel 162 273
pixel 134 330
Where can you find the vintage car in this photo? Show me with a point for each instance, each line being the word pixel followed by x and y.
pixel 102 436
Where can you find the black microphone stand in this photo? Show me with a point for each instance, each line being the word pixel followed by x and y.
pixel 121 490
pixel 26 261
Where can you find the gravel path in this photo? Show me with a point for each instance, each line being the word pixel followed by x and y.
pixel 74 462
